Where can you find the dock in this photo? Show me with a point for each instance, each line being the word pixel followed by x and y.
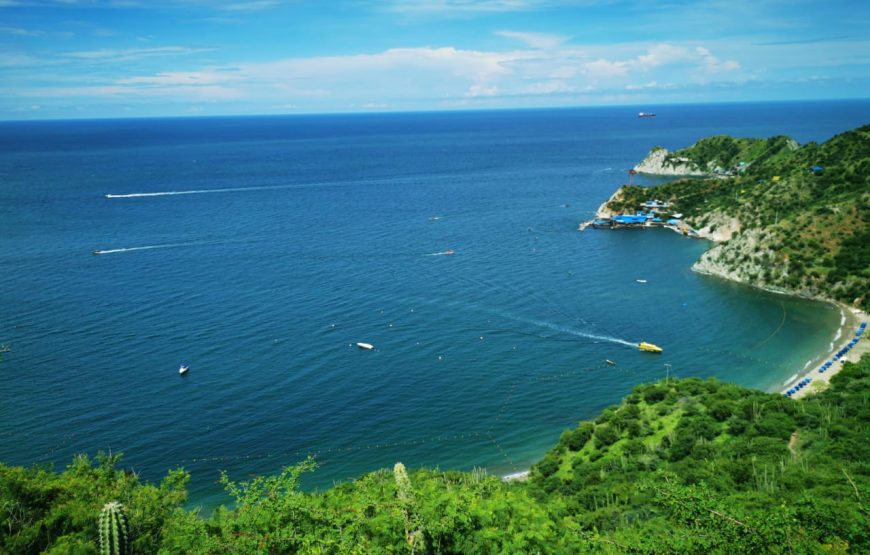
pixel 652 217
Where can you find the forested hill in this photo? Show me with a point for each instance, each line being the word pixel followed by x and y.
pixel 798 217
pixel 682 466
pixel 694 466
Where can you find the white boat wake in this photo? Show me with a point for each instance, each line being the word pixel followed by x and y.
pixel 247 189
pixel 145 248
pixel 199 191
pixel 583 334
pixel 569 331
pixel 537 323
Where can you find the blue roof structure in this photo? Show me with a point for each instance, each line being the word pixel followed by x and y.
pixel 626 219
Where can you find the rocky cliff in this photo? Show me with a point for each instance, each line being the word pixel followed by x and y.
pixel 605 211
pixel 662 162
pixel 747 258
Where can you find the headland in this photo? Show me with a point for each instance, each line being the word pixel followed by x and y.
pixel 784 218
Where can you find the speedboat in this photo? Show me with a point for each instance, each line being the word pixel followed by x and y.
pixel 610 362
pixel 649 347
pixel 640 280
pixel 646 115
pixel 366 346
pixel 183 369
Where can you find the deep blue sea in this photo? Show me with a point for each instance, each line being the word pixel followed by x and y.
pixel 259 250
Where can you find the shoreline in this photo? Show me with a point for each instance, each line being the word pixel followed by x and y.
pixel 814 369
pixel 521 476
pixel 853 317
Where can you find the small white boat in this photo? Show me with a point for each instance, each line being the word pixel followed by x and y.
pixel 640 280
pixel 366 346
pixel 183 369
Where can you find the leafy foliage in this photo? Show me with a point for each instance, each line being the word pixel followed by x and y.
pixel 685 466
pixel 44 510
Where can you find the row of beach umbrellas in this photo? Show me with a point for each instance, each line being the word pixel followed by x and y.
pixel 798 386
pixel 824 367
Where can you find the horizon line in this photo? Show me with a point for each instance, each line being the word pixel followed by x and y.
pixel 452 110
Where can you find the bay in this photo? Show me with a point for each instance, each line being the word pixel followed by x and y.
pixel 259 250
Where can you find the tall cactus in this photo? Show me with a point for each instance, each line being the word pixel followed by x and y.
pixel 405 493
pixel 114 530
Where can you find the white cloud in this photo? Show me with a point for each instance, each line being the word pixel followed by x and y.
pixel 177 78
pixel 208 93
pixel 430 6
pixel 475 91
pixel 431 63
pixel 563 72
pixel 441 73
pixel 606 68
pixel 19 32
pixel 535 40
pixel 400 77
pixel 650 85
pixel 255 5
pixel 659 58
pixel 712 64
pixel 548 87
pixel 662 54
pixel 108 54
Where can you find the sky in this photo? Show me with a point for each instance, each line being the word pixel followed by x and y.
pixel 130 58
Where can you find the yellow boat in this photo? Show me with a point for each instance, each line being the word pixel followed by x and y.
pixel 649 347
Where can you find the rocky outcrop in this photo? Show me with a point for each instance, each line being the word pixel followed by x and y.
pixel 604 211
pixel 661 162
pixel 748 258
pixel 717 226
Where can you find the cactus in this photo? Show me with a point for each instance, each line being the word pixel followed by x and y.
pixel 405 494
pixel 114 530
pixel 403 485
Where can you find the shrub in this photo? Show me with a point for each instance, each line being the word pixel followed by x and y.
pixel 605 435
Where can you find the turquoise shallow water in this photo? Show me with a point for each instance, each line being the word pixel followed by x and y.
pixel 294 238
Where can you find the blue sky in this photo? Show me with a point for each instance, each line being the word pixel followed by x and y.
pixel 129 58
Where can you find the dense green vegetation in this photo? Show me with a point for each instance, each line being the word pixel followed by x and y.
pixel 682 466
pixel 816 225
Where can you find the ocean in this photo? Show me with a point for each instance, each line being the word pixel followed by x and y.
pixel 260 250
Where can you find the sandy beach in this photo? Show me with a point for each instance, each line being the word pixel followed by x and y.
pixel 853 319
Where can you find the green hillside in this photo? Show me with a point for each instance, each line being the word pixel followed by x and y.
pixel 694 465
pixel 723 152
pixel 684 466
pixel 802 231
